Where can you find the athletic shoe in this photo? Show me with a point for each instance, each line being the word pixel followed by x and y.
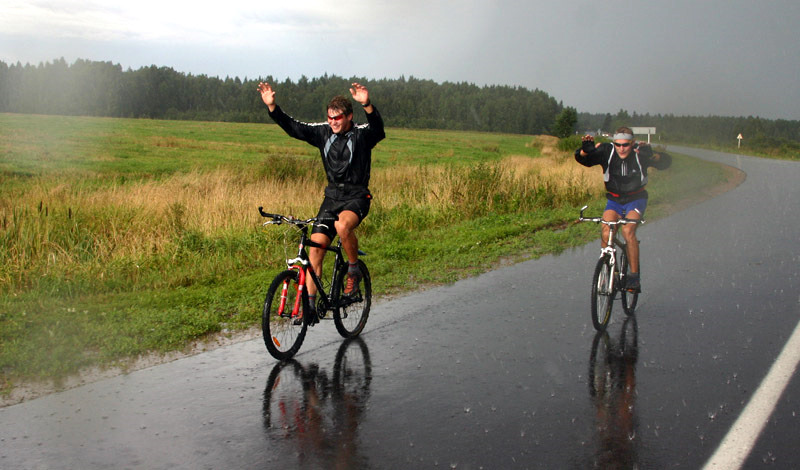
pixel 632 283
pixel 353 279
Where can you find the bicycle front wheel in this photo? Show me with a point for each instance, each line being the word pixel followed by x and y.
pixel 602 293
pixel 282 321
pixel 351 315
pixel 629 298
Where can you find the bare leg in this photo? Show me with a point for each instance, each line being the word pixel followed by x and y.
pixel 316 256
pixel 629 233
pixel 609 216
pixel 345 226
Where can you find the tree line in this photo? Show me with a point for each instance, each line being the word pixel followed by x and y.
pixel 95 88
pixel 704 130
pixel 104 89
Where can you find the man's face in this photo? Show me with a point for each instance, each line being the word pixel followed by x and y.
pixel 623 147
pixel 339 121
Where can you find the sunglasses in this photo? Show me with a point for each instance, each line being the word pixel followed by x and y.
pixel 626 144
pixel 338 117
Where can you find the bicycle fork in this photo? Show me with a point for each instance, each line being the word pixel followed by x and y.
pixel 612 261
pixel 298 306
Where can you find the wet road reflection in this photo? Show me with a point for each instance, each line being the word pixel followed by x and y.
pixel 612 387
pixel 318 411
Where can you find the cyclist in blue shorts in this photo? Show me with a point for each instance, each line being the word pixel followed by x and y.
pixel 625 164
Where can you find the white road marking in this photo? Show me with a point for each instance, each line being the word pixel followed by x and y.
pixel 739 441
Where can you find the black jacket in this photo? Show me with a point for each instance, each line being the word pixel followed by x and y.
pixel 347 158
pixel 626 178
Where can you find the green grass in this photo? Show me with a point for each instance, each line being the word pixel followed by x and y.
pixel 117 241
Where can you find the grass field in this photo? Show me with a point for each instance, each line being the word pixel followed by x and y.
pixel 124 237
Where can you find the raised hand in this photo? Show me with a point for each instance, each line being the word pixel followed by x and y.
pixel 587 143
pixel 267 95
pixel 360 93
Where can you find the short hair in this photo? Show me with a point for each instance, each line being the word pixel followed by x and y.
pixel 624 130
pixel 341 103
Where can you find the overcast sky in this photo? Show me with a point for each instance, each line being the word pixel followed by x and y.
pixel 685 57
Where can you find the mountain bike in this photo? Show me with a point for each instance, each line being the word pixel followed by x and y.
pixel 287 314
pixel 610 274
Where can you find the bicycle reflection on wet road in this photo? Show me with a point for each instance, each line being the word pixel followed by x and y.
pixel 612 387
pixel 318 412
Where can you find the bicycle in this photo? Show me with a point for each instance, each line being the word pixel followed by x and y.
pixel 610 274
pixel 284 321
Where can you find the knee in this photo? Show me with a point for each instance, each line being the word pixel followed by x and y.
pixel 343 229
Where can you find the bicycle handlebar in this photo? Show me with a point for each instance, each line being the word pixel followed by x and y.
pixel 600 220
pixel 278 219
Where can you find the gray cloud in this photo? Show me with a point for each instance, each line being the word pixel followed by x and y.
pixel 733 57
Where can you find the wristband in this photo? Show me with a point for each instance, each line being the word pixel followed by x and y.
pixel 368 104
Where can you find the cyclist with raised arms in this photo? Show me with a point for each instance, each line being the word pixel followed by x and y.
pixel 346 151
pixel 625 164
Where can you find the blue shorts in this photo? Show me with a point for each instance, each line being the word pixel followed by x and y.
pixel 622 209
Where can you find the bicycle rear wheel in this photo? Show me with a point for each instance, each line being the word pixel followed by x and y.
pixel 283 326
pixel 629 299
pixel 602 296
pixel 351 315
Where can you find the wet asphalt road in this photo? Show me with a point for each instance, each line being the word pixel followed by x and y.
pixel 499 371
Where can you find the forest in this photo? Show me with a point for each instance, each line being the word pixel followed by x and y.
pixel 95 88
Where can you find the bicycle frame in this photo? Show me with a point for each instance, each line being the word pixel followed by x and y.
pixel 613 241
pixel 303 264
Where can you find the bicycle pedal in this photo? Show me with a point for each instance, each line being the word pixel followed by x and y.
pixel 348 300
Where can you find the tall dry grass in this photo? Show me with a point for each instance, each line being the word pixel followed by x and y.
pixel 67 227
pixel 444 188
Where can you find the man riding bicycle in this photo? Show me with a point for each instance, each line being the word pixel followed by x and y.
pixel 625 164
pixel 346 151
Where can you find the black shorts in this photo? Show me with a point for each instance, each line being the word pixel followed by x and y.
pixel 331 208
